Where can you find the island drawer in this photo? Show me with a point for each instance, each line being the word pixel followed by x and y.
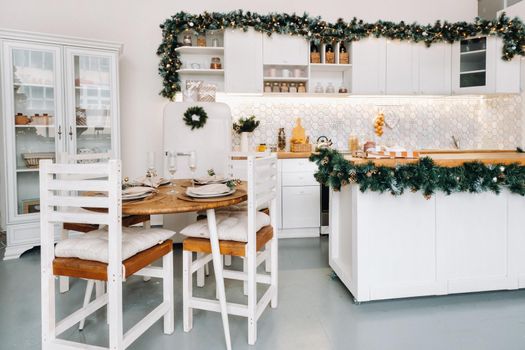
pixel 297 165
pixel 303 178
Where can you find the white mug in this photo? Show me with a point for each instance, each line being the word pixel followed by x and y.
pixel 272 72
pixel 285 73
pixel 297 72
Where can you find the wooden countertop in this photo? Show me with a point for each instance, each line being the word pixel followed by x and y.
pixel 451 159
pixel 293 155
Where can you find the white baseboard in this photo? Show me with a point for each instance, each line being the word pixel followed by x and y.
pixel 307 232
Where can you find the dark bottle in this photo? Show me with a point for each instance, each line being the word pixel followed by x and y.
pixel 314 48
pixel 329 48
pixel 342 48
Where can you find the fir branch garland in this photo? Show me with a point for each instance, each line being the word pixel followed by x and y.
pixel 512 31
pixel 475 177
pixel 195 117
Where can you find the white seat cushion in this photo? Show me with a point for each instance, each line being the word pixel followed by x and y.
pixel 231 226
pixel 94 245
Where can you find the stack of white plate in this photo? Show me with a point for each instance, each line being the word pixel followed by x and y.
pixel 136 192
pixel 215 179
pixel 209 191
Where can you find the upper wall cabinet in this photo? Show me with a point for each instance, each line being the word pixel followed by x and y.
pixel 402 68
pixel 478 68
pixel 435 69
pixel 369 66
pixel 285 50
pixel 243 59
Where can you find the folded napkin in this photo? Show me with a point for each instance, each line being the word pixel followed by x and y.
pixel 154 182
pixel 137 190
pixel 210 179
pixel 209 189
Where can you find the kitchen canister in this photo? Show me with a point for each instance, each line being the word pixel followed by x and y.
pixel 285 73
pixel 297 72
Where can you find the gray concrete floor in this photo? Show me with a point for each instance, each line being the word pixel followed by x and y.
pixel 315 312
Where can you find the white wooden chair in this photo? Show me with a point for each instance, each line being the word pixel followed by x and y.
pixel 262 189
pixel 60 191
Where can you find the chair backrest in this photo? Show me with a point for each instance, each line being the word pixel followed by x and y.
pixel 66 187
pixel 83 158
pixel 262 190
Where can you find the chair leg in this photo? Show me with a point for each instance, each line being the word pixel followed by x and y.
pixel 228 260
pixel 252 294
pixel 245 270
pixel 267 261
pixel 207 269
pixel 167 292
pixel 116 336
pixel 219 278
pixel 200 272
pixel 87 299
pixel 274 270
pixel 187 290
pixel 48 307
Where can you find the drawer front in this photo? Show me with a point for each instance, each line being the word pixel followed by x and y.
pixel 301 207
pixel 297 165
pixel 299 179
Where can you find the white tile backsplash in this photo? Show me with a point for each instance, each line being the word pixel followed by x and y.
pixel 418 122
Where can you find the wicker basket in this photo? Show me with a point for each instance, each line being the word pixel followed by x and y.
pixel 300 147
pixel 32 159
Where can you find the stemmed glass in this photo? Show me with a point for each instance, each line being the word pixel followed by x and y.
pixel 192 162
pixel 172 168
pixel 151 164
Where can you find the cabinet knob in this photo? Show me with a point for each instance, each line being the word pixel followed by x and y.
pixel 59 132
pixel 71 133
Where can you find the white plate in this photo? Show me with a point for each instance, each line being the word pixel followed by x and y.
pixel 217 179
pixel 139 196
pixel 189 193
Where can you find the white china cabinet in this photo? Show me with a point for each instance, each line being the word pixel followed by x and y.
pixel 58 95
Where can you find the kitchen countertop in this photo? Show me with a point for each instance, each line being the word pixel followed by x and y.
pixel 293 155
pixel 452 158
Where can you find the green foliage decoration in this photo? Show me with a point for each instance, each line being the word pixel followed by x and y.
pixel 195 117
pixel 424 176
pixel 512 31
pixel 246 124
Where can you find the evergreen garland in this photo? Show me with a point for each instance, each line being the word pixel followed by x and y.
pixel 512 31
pixel 424 176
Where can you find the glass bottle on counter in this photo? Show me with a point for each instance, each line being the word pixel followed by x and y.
pixel 281 140
pixel 276 88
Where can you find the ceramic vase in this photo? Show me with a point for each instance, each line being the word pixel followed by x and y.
pixel 245 141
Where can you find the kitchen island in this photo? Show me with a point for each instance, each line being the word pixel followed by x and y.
pixel 384 246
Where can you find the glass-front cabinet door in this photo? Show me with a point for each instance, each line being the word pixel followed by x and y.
pixel 92 102
pixel 33 102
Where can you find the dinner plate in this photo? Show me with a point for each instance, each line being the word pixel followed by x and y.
pixel 211 180
pixel 139 196
pixel 189 193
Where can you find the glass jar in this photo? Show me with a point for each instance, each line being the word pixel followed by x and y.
pixel 284 87
pixel 215 63
pixel 301 88
pixel 275 87
pixel 330 89
pixel 293 87
pixel 318 88
pixel 186 41
pixel 267 87
pixel 281 140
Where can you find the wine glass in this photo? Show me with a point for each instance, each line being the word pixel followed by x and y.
pixel 172 168
pixel 192 160
pixel 151 164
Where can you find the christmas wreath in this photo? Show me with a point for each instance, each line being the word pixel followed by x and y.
pixel 195 117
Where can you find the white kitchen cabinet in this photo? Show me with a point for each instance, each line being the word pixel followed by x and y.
pixel 301 207
pixel 402 68
pixel 59 95
pixel 477 67
pixel 243 61
pixel 435 69
pixel 300 199
pixel 369 66
pixel 285 50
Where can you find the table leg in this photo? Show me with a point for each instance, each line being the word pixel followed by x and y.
pixel 219 279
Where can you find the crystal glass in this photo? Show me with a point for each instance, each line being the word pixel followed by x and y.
pixel 151 163
pixel 172 168
pixel 192 163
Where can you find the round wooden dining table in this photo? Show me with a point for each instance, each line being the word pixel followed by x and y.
pixel 165 201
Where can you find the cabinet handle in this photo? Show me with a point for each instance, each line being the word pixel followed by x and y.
pixel 59 132
pixel 71 133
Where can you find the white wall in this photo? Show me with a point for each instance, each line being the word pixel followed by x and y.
pixel 136 24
